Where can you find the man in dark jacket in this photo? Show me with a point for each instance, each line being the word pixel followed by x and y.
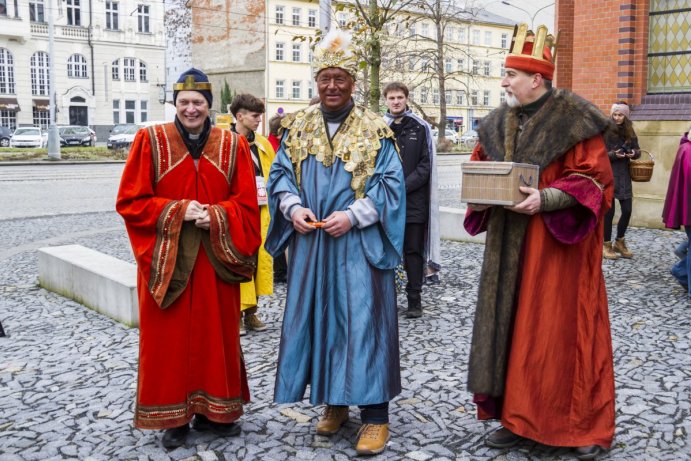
pixel 412 136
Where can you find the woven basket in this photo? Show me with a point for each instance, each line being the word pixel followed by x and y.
pixel 641 170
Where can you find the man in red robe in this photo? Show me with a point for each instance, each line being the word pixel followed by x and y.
pixel 189 202
pixel 541 353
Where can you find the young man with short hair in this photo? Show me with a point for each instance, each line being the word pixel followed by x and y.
pixel 247 111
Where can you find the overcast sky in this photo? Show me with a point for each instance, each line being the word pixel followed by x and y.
pixel 544 16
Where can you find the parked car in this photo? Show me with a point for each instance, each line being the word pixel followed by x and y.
pixel 469 138
pixel 449 134
pixel 73 135
pixel 121 136
pixel 29 136
pixel 5 135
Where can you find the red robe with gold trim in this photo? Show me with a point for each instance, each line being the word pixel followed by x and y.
pixel 190 360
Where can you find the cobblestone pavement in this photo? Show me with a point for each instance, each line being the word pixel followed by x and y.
pixel 67 374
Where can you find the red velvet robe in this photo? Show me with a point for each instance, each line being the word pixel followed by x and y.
pixel 560 381
pixel 190 359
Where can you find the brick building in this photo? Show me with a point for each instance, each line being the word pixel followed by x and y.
pixel 636 51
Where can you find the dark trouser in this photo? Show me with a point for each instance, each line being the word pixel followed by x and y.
pixel 413 257
pixel 280 268
pixel 626 206
pixel 372 414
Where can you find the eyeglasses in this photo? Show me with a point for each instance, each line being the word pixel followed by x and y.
pixel 327 80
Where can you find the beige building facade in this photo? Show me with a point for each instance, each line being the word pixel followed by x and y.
pixel 108 60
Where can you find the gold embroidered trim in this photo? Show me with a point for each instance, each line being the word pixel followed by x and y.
pixel 223 238
pixel 161 254
pixel 197 402
pixel 599 186
pixel 356 143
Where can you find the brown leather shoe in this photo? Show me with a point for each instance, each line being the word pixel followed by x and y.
pixel 331 421
pixel 372 439
pixel 608 252
pixel 619 246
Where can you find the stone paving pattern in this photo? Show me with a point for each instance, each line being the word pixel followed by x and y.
pixel 67 374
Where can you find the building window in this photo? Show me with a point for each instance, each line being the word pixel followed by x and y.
pixel 142 72
pixel 143 19
pixel 6 72
pixel 488 38
pixel 279 51
pixel 502 97
pixel 129 111
pixel 342 19
pixel 37 11
pixel 448 67
pixel 485 98
pixel 504 40
pixel 8 118
pixel 461 65
pixel 473 98
pixel 76 66
pixel 143 111
pixel 447 97
pixel 128 69
pixel 296 16
pixel 297 52
pixel 435 96
pixel 74 13
pixel 475 67
pixel 412 30
pixel 310 89
pixel 312 18
pixel 461 35
pixel 280 10
pixel 280 88
pixel 487 68
pixel 39 73
pixel 41 118
pixel 411 64
pixel 476 37
pixel 116 111
pixel 423 95
pixel 297 87
pixel 115 70
pixel 448 34
pixel 459 97
pixel 3 7
pixel 112 15
pixel 502 70
pixel 424 29
pixel 668 48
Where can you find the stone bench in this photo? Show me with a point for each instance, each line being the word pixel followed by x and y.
pixel 451 226
pixel 100 282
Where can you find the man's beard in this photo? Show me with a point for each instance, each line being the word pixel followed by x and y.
pixel 512 101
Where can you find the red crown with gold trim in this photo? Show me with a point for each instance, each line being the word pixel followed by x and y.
pixel 531 52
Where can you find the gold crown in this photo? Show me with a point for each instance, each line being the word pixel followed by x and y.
pixel 190 84
pixel 521 35
pixel 334 51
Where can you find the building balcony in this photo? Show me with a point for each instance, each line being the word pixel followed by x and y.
pixel 14 29
pixel 70 32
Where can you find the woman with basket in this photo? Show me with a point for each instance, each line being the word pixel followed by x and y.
pixel 622 147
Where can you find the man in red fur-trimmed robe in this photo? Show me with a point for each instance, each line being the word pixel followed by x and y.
pixel 189 202
pixel 541 354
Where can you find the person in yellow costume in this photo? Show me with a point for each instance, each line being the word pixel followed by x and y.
pixel 247 111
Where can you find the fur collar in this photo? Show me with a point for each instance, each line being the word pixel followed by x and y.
pixel 563 121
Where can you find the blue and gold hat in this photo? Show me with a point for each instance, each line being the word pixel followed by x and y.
pixel 193 80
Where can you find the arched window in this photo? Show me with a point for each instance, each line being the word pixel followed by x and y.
pixel 76 66
pixel 6 72
pixel 39 73
pixel 142 71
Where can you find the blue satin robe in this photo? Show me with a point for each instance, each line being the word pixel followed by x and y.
pixel 340 326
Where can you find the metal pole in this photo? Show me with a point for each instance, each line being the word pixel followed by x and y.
pixel 53 140
pixel 324 16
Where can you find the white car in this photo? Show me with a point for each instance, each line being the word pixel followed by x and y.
pixel 449 134
pixel 121 136
pixel 30 136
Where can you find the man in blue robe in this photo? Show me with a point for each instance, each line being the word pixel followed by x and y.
pixel 337 202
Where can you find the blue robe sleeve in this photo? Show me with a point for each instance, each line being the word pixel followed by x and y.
pixel 281 179
pixel 383 241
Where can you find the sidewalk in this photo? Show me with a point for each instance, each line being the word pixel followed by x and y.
pixel 67 374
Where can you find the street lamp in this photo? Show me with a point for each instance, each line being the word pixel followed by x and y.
pixel 531 16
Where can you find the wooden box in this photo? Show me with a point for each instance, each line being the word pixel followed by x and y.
pixel 496 183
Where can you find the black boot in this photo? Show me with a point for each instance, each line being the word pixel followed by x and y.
pixel 414 307
pixel 202 424
pixel 175 437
